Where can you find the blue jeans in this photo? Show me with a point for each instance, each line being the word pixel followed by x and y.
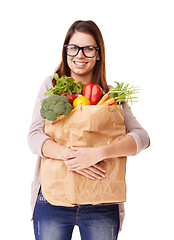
pixel 96 222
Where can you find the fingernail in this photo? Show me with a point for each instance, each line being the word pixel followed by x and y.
pixel 104 171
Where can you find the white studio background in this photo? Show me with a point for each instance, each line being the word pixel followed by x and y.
pixel 139 45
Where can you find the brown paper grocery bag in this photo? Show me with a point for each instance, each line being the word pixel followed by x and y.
pixel 85 126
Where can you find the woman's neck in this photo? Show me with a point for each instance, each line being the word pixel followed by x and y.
pixel 85 79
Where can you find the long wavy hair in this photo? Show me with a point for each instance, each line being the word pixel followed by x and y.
pixel 99 73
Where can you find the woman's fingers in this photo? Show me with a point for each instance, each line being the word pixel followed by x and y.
pixel 85 174
pixel 97 172
pixel 99 167
pixel 94 173
pixel 91 173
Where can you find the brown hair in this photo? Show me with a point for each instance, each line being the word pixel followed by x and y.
pixel 99 74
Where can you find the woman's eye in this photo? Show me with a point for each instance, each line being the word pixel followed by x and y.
pixel 89 49
pixel 73 47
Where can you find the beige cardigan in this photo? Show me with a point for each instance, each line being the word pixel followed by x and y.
pixel 37 137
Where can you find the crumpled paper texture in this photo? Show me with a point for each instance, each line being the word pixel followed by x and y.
pixel 85 126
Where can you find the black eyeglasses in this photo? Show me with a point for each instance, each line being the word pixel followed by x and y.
pixel 88 51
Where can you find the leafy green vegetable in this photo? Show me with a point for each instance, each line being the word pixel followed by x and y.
pixel 56 76
pixel 54 106
pixel 65 84
pixel 123 93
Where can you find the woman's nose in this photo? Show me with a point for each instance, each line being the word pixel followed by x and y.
pixel 80 54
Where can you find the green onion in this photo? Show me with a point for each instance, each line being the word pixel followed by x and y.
pixel 123 93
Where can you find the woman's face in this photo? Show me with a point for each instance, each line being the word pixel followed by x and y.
pixel 80 65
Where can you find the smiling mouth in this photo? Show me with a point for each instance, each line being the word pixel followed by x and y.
pixel 80 63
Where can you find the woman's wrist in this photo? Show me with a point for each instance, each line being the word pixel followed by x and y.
pixel 51 149
pixel 103 152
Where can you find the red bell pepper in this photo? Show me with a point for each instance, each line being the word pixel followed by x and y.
pixel 93 92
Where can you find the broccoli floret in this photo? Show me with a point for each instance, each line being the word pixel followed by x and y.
pixel 54 106
pixel 68 109
pixel 50 115
pixel 59 108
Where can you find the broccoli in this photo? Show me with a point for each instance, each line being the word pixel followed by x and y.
pixel 54 106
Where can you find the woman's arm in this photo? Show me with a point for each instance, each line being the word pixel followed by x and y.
pixel 86 157
pixel 134 129
pixel 36 135
pixel 124 147
pixel 133 143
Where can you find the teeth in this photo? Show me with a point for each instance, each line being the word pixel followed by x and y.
pixel 80 63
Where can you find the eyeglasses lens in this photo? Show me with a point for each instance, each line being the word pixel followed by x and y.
pixel 89 51
pixel 72 50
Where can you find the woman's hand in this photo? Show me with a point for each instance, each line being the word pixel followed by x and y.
pixel 82 158
pixel 93 172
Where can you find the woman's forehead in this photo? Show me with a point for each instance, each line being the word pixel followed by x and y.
pixel 82 39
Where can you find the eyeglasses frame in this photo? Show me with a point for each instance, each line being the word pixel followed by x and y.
pixel 80 48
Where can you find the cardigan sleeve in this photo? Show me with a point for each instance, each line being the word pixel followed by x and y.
pixel 36 135
pixel 134 129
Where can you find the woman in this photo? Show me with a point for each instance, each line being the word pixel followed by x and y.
pixel 83 58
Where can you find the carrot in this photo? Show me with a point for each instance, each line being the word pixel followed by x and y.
pixel 115 103
pixel 109 102
pixel 103 99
